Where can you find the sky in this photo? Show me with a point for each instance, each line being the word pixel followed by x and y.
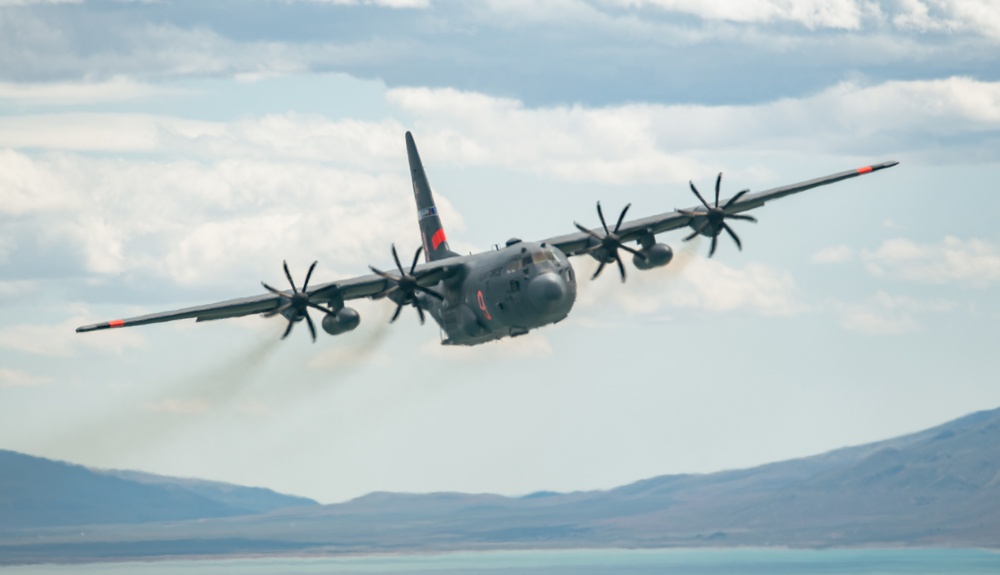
pixel 157 155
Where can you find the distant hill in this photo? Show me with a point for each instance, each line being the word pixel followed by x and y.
pixel 939 487
pixel 37 492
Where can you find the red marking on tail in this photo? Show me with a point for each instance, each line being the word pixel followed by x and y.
pixel 116 323
pixel 864 170
pixel 438 238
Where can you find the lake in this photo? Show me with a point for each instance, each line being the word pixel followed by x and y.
pixel 579 561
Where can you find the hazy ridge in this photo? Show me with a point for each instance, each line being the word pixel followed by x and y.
pixel 939 487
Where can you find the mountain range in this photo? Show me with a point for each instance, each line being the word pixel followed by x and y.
pixel 939 487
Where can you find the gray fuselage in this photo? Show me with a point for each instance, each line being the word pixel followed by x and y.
pixel 505 292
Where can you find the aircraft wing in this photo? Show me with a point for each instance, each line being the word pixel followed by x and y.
pixel 579 242
pixel 338 291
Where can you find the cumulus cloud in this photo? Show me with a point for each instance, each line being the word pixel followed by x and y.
pixel 885 314
pixel 692 282
pixel 383 3
pixel 971 262
pixel 116 89
pixel 842 14
pixel 645 143
pixel 195 201
pixel 948 16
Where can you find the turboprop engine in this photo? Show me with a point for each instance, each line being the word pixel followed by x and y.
pixel 342 321
pixel 656 255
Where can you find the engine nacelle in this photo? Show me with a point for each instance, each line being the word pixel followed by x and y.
pixel 657 255
pixel 341 321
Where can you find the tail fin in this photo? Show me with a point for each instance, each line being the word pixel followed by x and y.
pixel 431 231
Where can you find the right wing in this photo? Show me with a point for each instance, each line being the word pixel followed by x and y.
pixel 329 293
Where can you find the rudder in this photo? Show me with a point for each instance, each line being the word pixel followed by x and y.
pixel 431 231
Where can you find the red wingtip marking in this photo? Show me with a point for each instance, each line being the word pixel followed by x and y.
pixel 116 323
pixel 438 238
pixel 864 170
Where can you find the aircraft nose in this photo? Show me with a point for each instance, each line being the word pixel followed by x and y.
pixel 546 290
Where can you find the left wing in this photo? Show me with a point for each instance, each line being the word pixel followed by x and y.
pixel 635 230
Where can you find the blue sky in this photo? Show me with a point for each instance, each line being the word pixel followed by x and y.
pixel 159 155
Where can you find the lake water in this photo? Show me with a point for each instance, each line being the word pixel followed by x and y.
pixel 584 562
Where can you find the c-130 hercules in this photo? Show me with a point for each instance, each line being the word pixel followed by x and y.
pixel 491 295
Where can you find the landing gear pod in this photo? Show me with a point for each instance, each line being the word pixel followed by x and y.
pixel 341 321
pixel 657 255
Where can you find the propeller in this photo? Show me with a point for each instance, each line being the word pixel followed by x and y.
pixel 298 301
pixel 610 243
pixel 405 285
pixel 715 218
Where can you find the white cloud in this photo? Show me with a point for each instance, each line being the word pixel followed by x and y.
pixel 948 16
pixel 884 314
pixel 383 3
pixel 971 262
pixel 833 255
pixel 14 378
pixel 692 282
pixel 116 89
pixel 641 143
pixel 842 14
pixel 5 3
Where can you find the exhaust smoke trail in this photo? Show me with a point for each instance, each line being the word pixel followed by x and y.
pixel 179 404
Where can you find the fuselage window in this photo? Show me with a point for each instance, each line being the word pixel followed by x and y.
pixel 513 266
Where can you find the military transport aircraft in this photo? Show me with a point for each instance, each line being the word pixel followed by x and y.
pixel 504 292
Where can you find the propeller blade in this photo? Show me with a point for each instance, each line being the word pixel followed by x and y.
pixel 600 268
pixel 305 284
pixel 696 231
pixel 621 218
pixel 600 214
pixel 715 242
pixel 395 316
pixel 430 292
pixel 288 329
pixel 718 186
pixel 589 232
pixel 621 266
pixel 741 217
pixel 319 307
pixel 634 252
pixel 735 198
pixel 420 310
pixel 695 190
pixel 733 235
pixel 385 275
pixel 416 257
pixel 279 309
pixel 312 328
pixel 274 291
pixel 395 257
pixel 288 275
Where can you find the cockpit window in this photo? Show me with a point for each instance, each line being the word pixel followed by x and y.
pixel 513 266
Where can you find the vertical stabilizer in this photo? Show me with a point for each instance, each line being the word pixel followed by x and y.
pixel 431 231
